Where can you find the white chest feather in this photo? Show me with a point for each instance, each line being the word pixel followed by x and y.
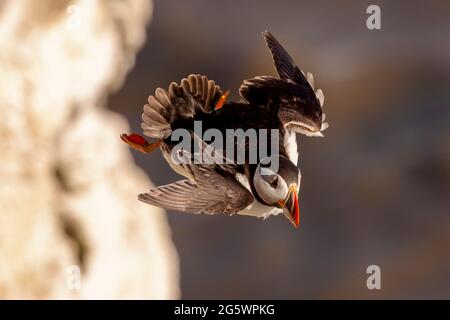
pixel 256 209
pixel 290 144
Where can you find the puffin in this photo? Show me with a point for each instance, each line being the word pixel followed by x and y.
pixel 287 104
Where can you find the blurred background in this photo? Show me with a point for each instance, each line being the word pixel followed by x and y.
pixel 375 190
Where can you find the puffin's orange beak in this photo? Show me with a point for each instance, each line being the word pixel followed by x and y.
pixel 290 206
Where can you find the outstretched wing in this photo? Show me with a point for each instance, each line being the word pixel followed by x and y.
pixel 284 64
pixel 292 95
pixel 211 192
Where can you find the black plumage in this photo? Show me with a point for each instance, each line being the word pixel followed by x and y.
pixel 291 96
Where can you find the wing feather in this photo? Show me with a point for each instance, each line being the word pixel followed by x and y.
pixel 211 192
pixel 284 64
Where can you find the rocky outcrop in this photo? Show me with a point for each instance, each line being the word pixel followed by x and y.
pixel 70 223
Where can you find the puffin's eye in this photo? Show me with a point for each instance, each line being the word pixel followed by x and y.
pixel 274 183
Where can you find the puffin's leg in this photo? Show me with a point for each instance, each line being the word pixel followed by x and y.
pixel 139 143
pixel 222 100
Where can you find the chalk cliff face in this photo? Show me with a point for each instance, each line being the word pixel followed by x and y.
pixel 70 223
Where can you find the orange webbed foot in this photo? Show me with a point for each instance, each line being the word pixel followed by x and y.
pixel 222 100
pixel 139 143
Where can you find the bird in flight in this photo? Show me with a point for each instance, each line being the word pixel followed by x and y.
pixel 287 104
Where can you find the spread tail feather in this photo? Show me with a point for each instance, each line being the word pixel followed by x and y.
pixel 195 94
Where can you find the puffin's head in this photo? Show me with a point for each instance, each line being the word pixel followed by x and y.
pixel 279 188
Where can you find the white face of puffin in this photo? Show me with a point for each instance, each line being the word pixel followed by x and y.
pixel 270 186
pixel 279 189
